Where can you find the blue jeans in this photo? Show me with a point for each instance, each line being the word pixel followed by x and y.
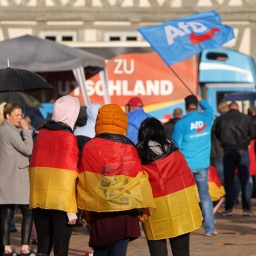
pixel 201 178
pixel 239 159
pixel 118 248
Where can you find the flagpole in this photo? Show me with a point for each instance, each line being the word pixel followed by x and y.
pixel 180 79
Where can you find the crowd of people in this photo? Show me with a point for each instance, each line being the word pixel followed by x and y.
pixel 120 168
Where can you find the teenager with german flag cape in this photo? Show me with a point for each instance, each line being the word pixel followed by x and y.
pixel 112 189
pixel 53 175
pixel 174 189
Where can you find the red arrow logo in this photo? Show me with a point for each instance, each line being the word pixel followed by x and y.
pixel 201 129
pixel 197 39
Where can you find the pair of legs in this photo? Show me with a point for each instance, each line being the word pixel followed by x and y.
pixel 7 214
pixel 52 231
pixel 179 246
pixel 118 248
pixel 201 178
pixel 236 159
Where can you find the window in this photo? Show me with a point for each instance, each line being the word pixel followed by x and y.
pixel 114 38
pixel 52 38
pixel 61 36
pixel 217 56
pixel 67 38
pixel 131 38
pixel 121 36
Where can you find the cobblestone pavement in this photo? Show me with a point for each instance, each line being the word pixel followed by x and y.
pixel 236 237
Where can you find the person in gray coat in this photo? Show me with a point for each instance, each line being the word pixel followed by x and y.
pixel 14 182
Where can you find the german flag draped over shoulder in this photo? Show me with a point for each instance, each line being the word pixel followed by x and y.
pixel 216 190
pixel 111 178
pixel 53 171
pixel 175 192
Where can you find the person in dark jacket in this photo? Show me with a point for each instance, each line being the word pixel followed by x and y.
pixel 235 130
pixel 168 126
pixel 216 148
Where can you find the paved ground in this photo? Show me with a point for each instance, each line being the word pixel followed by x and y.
pixel 237 237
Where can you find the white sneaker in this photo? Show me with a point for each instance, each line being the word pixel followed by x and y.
pixel 247 213
pixel 215 233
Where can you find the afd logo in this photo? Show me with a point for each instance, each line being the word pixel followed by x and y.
pixel 199 126
pixel 198 32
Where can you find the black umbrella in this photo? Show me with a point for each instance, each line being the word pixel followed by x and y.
pixel 23 99
pixel 13 79
pixel 240 96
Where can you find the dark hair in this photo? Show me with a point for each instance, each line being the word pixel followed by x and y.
pixel 82 117
pixel 9 107
pixel 233 104
pixel 191 100
pixel 151 129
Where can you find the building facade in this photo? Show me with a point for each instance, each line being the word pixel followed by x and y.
pixel 86 23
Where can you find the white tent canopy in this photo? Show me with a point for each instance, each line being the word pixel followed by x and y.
pixel 41 55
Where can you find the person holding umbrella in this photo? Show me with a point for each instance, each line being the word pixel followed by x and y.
pixel 14 182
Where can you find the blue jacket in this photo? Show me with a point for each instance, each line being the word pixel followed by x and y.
pixel 192 134
pixel 135 118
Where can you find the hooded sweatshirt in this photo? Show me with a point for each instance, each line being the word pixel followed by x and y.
pixel 66 110
pixel 53 164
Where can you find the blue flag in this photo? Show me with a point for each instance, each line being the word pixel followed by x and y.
pixel 182 38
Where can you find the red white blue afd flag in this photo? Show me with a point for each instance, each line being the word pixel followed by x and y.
pixel 182 38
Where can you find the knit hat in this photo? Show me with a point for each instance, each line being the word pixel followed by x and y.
pixel 135 102
pixel 191 101
pixel 111 119
pixel 66 110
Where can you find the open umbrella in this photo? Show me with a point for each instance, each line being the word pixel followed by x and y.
pixel 13 79
pixel 23 99
pixel 240 96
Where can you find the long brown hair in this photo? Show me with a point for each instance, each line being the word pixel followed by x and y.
pixel 9 107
